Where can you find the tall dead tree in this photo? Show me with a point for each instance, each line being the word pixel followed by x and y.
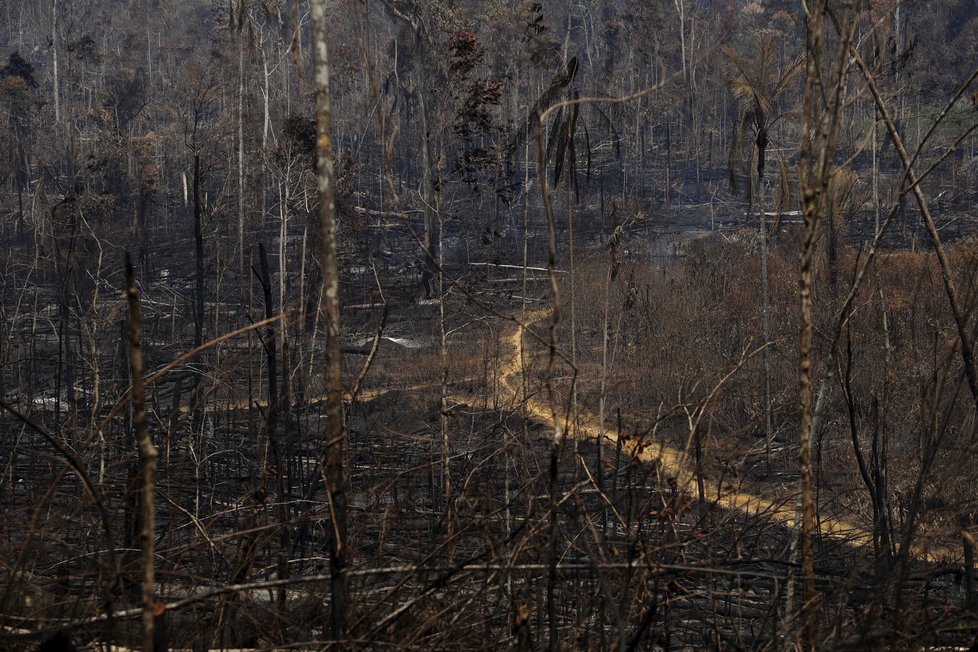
pixel 331 458
pixel 760 87
pixel 147 457
pixel 412 15
pixel 824 100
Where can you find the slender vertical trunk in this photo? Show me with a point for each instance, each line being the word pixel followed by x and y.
pixel 668 181
pixel 61 356
pixel 805 403
pixel 443 354
pixel 283 343
pixel 241 188
pixel 560 425
pixel 603 389
pixel 833 245
pixel 765 325
pixel 283 240
pixel 609 277
pixel 617 464
pixel 272 420
pixel 971 601
pixel 427 167
pixel 876 173
pixel 681 11
pixel 332 460
pixel 149 54
pixel 573 291
pixel 20 208
pixel 199 250
pixel 54 61
pixel 147 457
pixel 198 413
pixel 814 165
pixel 142 208
pixel 266 112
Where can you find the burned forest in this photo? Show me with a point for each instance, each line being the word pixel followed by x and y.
pixel 488 324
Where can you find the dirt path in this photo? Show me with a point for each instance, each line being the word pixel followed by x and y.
pixel 673 461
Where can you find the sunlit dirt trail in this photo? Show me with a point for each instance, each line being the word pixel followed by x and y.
pixel 510 376
pixel 673 462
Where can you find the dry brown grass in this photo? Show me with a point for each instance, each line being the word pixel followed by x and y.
pixel 677 329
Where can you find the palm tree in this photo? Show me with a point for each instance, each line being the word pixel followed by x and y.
pixel 758 88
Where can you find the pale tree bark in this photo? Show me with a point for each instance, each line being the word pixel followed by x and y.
pixel 331 461
pixel 681 14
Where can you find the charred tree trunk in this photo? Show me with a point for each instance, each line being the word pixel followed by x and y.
pixel 198 416
pixel 271 423
pixel 199 250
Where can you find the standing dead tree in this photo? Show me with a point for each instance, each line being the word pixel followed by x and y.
pixel 147 457
pixel 759 87
pixel 824 101
pixel 331 458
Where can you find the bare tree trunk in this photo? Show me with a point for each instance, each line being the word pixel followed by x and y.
pixel 199 250
pixel 272 420
pixel 331 461
pixel 446 480
pixel 823 102
pixel 147 456
pixel 266 119
pixel 811 215
pixel 54 61
pixel 766 324
pixel 431 222
pixel 969 570
pixel 573 285
pixel 560 425
pixel 811 211
pixel 947 276
pixel 241 189
pixel 876 173
pixel 198 414
pixel 681 14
